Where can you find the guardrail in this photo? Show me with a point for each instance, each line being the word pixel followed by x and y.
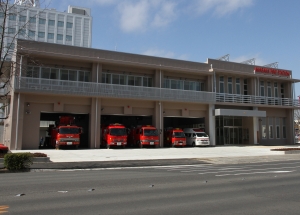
pixel 25 84
pixel 257 100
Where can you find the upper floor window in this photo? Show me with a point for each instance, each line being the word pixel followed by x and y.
pixel 262 88
pixel 59 37
pixel 31 33
pixel 1 15
pixel 32 20
pixel 42 21
pixel 275 89
pixel 11 30
pixel 69 25
pixel 282 90
pixel 33 72
pixel 60 24
pixel 41 34
pixel 50 35
pixel 22 18
pixel 51 22
pixel 269 89
pixel 22 32
pixel 12 17
pixel 229 85
pixel 68 38
pixel 237 86
pixel 245 87
pixel 124 79
pixel 221 84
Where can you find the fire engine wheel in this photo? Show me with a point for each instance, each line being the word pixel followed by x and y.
pixel 57 147
pixel 140 145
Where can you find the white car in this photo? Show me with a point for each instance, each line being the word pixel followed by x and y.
pixel 196 137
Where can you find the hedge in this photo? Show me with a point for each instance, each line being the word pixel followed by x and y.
pixel 18 161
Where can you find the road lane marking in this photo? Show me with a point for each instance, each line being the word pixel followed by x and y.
pixel 253 173
pixel 3 209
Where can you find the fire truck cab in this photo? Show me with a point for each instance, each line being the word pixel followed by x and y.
pixel 64 133
pixel 174 137
pixel 114 135
pixel 144 135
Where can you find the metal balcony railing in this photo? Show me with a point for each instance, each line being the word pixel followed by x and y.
pixel 51 86
pixel 25 84
pixel 257 100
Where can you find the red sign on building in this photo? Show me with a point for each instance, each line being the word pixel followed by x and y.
pixel 272 71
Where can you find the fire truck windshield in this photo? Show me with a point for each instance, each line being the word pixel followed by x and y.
pixel 179 134
pixel 68 131
pixel 150 132
pixel 117 131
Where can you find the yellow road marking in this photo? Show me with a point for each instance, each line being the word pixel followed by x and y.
pixel 3 209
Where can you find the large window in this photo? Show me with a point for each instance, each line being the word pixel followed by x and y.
pixel 59 74
pixel 277 127
pixel 32 20
pixel 68 38
pixel 229 85
pixel 22 18
pixel 42 21
pixel 51 22
pixel 221 84
pixel 69 25
pixel 237 86
pixel 41 34
pixel 284 128
pixel 12 17
pixel 262 88
pixel 123 79
pixel 183 84
pixel 269 89
pixel 50 36
pixel 263 128
pixel 59 37
pixel 11 30
pixel 271 133
pixel 275 89
pixel 60 24
pixel 31 34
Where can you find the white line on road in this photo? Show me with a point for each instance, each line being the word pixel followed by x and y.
pixel 252 173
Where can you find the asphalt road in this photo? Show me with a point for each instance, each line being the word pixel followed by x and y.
pixel 259 188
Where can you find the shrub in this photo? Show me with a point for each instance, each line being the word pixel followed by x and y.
pixel 18 161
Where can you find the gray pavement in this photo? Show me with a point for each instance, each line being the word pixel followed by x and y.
pixel 114 158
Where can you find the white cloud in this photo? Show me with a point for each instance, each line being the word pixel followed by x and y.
pixel 165 15
pixel 220 7
pixel 163 53
pixel 133 16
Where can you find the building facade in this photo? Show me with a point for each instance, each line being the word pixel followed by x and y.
pixel 27 21
pixel 235 103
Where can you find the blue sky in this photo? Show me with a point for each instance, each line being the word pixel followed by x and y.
pixel 194 30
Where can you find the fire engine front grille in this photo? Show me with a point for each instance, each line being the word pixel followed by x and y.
pixel 69 140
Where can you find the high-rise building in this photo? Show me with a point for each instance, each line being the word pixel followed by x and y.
pixel 26 20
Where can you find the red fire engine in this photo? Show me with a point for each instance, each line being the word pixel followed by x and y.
pixel 174 137
pixel 144 135
pixel 65 133
pixel 114 135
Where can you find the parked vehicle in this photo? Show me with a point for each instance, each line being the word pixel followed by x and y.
pixel 196 137
pixel 144 135
pixel 64 133
pixel 3 149
pixel 114 135
pixel 174 137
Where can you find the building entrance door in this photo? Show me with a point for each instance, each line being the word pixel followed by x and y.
pixel 232 135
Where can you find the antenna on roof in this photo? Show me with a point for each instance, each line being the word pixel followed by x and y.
pixel 224 58
pixel 272 65
pixel 250 62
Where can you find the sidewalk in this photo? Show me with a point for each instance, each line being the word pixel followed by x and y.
pixel 104 158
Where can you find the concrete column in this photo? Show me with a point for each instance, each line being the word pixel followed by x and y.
pixel 211 124
pixel 158 120
pixel 95 127
pixel 255 128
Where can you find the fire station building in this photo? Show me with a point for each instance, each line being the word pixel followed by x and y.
pixel 235 103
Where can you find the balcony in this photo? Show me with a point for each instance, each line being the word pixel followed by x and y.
pixel 59 87
pixel 256 100
pixel 49 86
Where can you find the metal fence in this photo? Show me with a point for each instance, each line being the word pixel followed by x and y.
pixel 257 100
pixel 50 86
